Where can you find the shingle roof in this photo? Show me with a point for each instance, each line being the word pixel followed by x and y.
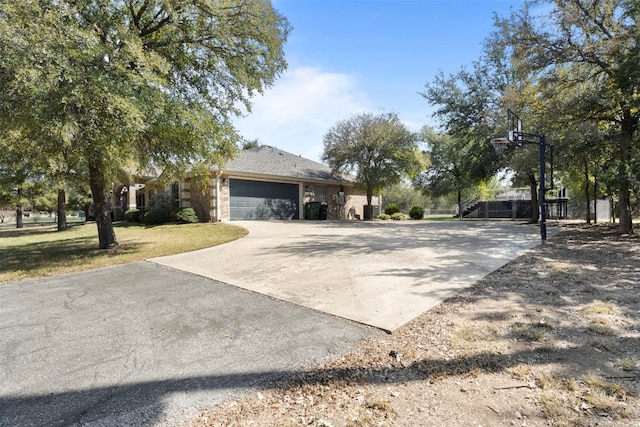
pixel 271 161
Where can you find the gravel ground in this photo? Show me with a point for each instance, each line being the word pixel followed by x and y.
pixel 552 338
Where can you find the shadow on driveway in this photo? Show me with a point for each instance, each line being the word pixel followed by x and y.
pixel 378 273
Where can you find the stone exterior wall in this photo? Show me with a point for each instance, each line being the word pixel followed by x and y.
pixel 355 199
pixel 224 199
pixel 206 207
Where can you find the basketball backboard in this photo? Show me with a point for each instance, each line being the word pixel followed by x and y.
pixel 514 128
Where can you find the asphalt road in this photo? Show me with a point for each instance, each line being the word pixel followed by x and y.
pixel 143 344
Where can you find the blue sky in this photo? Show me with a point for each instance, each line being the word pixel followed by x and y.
pixel 352 56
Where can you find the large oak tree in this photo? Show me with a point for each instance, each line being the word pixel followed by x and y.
pixel 378 148
pixel 155 81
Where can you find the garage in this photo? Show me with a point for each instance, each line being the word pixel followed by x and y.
pixel 262 200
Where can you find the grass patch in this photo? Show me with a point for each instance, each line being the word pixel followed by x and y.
pixel 562 266
pixel 531 331
pixel 476 333
pixel 521 372
pixel 573 403
pixel 37 252
pixel 600 307
pixel 603 330
pixel 628 364
pixel 380 405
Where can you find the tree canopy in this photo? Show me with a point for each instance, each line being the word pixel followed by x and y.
pixel 378 148
pixel 584 57
pixel 154 81
pixel 571 70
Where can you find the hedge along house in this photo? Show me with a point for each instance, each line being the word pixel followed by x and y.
pixel 266 183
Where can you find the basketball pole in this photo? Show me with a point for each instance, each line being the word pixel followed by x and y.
pixel 516 136
pixel 543 190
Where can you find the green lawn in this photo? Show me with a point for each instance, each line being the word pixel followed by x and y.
pixel 42 251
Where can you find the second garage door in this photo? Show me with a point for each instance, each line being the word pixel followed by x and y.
pixel 260 200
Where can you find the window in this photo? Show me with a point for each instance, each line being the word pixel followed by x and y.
pixel 175 194
pixel 320 193
pixel 140 202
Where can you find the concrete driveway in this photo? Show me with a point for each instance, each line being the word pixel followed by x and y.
pixel 381 273
pixel 146 345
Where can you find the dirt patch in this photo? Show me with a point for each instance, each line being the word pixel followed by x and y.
pixel 552 338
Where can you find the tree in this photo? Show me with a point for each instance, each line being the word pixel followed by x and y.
pixel 378 148
pixel 404 195
pixel 21 177
pixel 587 41
pixel 456 165
pixel 150 80
pixel 469 107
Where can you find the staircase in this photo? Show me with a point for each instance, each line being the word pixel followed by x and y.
pixel 469 206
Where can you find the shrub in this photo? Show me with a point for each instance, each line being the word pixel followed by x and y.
pixel 391 208
pixel 416 212
pixel 186 216
pixel 159 212
pixel 384 217
pixel 156 216
pixel 133 215
pixel 399 216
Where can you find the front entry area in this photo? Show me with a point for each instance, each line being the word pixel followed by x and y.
pixel 262 200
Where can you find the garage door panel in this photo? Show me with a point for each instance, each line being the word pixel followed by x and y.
pixel 259 200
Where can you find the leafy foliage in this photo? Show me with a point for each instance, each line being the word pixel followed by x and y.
pixel 404 195
pixel 186 216
pixel 133 215
pixel 583 57
pixel 399 216
pixel 97 84
pixel 416 212
pixel 391 208
pixel 159 211
pixel 379 149
pixel 457 164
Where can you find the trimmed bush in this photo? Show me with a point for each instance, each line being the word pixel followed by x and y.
pixel 156 217
pixel 159 212
pixel 186 216
pixel 132 215
pixel 399 216
pixel 391 208
pixel 416 212
pixel 384 217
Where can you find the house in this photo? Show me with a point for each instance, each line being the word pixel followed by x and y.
pixel 261 183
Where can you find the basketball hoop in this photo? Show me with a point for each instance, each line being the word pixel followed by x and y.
pixel 500 144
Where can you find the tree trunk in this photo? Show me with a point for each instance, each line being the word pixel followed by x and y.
pixel 586 191
pixel 97 181
pixel 368 215
pixel 533 185
pixel 62 210
pixel 624 195
pixel 595 199
pixel 459 194
pixel 19 222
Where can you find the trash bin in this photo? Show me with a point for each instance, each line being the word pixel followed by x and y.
pixel 312 210
pixel 323 211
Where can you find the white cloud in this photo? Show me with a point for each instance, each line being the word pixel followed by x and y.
pixel 300 108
